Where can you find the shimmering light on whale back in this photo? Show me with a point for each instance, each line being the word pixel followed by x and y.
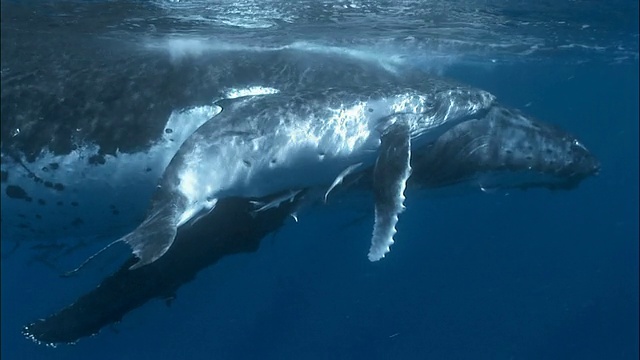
pixel 413 103
pixel 249 91
pixel 350 127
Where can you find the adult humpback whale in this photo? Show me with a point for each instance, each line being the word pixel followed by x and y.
pixel 543 156
pixel 71 132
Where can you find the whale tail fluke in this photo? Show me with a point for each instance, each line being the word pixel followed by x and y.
pixel 153 237
pixel 148 242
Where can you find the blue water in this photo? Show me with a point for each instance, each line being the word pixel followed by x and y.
pixel 519 275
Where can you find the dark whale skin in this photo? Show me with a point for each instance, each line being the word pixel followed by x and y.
pixel 230 229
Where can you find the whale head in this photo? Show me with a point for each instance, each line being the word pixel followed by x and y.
pixel 505 149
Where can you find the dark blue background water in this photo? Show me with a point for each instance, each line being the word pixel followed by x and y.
pixel 523 275
pixel 528 275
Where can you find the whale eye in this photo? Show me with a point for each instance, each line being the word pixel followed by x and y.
pixel 247 163
pixel 273 161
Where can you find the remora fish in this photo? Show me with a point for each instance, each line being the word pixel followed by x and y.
pixel 500 144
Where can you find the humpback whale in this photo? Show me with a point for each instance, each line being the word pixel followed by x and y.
pixel 558 161
pixel 261 145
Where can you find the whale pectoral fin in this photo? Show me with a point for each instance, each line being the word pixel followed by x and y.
pixel 153 237
pixel 390 175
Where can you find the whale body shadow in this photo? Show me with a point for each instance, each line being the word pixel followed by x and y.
pixel 230 229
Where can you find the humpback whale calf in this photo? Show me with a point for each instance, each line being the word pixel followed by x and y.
pixel 261 145
pixel 472 152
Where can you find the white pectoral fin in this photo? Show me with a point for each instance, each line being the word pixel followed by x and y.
pixel 390 175
pixel 340 178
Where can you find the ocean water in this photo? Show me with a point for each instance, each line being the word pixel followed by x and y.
pixel 534 274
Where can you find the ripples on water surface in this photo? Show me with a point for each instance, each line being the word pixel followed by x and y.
pixel 477 30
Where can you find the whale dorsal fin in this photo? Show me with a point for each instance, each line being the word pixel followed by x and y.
pixel 153 237
pixel 390 175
